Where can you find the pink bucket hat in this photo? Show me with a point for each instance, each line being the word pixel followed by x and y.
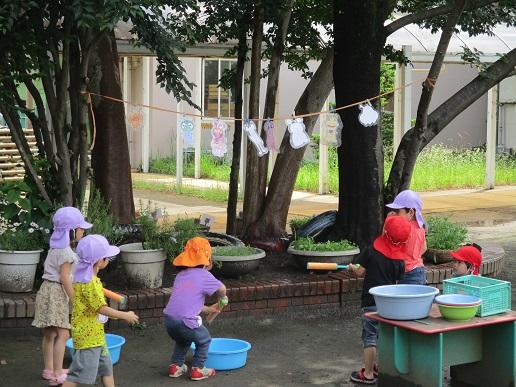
pixel 91 249
pixel 409 199
pixel 66 219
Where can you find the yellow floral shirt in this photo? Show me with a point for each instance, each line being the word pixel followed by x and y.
pixel 87 331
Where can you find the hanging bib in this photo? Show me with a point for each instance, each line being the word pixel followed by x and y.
pixel 268 126
pixel 218 138
pixel 368 115
pixel 134 117
pixel 333 130
pixel 250 128
pixel 187 125
pixel 298 136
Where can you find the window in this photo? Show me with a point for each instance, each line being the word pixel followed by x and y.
pixel 217 102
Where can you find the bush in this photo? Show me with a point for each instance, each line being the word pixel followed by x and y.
pixel 445 235
pixel 98 212
pixel 308 244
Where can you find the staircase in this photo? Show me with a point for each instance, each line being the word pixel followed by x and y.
pixel 11 164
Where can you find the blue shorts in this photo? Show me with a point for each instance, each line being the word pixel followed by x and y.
pixel 416 276
pixel 369 328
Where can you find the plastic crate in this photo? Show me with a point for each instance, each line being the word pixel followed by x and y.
pixel 495 294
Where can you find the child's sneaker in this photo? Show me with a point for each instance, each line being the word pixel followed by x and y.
pixel 359 377
pixel 57 381
pixel 201 373
pixel 175 371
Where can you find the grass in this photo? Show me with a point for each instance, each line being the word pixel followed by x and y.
pixel 437 168
pixel 211 194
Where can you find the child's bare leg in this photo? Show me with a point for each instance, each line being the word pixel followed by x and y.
pixel 47 347
pixel 369 359
pixel 108 381
pixel 69 384
pixel 59 349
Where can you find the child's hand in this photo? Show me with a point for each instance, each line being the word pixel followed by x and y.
pixel 131 317
pixel 213 308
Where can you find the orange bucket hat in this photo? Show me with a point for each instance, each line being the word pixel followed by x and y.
pixel 197 252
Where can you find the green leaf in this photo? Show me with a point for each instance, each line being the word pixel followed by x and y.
pixel 13 196
pixel 10 211
pixel 25 204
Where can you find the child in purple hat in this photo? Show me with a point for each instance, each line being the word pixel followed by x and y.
pixel 52 312
pixel 409 205
pixel 91 357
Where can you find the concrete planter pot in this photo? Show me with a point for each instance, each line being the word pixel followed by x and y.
pixel 302 257
pixel 235 266
pixel 144 268
pixel 17 270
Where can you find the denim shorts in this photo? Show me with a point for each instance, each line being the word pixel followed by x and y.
pixel 416 276
pixel 369 328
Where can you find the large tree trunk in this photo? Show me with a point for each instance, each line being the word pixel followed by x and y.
pixel 272 222
pixel 256 196
pixel 359 41
pixel 110 155
pixel 237 137
pixel 442 116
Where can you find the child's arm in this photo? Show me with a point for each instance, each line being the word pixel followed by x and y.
pixel 64 276
pixel 130 316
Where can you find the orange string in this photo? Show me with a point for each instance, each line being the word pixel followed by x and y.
pixel 94 124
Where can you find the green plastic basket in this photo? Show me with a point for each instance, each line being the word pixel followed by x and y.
pixel 495 294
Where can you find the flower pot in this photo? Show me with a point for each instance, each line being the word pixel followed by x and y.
pixel 17 270
pixel 437 256
pixel 302 257
pixel 235 266
pixel 144 268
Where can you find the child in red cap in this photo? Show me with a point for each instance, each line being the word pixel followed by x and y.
pixel 383 264
pixel 467 260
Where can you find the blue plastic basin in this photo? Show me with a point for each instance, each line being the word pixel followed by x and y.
pixel 458 300
pixel 113 342
pixel 404 302
pixel 226 354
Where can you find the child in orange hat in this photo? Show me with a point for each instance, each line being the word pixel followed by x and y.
pixel 468 260
pixel 182 314
pixel 383 264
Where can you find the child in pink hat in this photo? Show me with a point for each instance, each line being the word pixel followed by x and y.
pixel 52 312
pixel 91 357
pixel 409 205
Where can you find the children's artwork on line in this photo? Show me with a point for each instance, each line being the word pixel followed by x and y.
pixel 218 138
pixel 254 137
pixel 298 136
pixel 135 117
pixel 368 115
pixel 333 135
pixel 268 126
pixel 187 125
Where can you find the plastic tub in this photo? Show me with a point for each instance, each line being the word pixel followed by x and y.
pixel 458 300
pixel 226 354
pixel 404 302
pixel 113 342
pixel 458 313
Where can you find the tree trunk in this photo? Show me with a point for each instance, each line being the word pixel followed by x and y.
pixel 272 222
pixel 110 155
pixel 359 42
pixel 256 196
pixel 237 137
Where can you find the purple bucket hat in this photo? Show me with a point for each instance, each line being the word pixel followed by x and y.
pixel 66 219
pixel 409 199
pixel 91 249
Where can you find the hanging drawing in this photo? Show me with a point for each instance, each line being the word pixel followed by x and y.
pixel 187 125
pixel 368 115
pixel 134 117
pixel 268 126
pixel 298 136
pixel 218 138
pixel 333 130
pixel 254 137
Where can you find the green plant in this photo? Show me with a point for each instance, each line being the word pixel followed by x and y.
pixel 184 229
pixel 445 235
pixel 233 251
pixel 308 244
pixel 298 223
pixel 155 236
pixel 98 212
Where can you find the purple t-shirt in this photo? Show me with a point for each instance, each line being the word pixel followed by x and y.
pixel 187 299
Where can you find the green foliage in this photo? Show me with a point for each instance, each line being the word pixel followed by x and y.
pixel 210 194
pixel 184 229
pixel 233 251
pixel 445 235
pixel 211 167
pixel 299 222
pixel 98 212
pixel 308 244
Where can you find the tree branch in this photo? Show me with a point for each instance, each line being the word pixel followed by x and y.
pixel 432 12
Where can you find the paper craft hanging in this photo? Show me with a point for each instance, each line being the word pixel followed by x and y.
pixel 268 126
pixel 135 118
pixel 298 136
pixel 187 125
pixel 254 137
pixel 218 138
pixel 368 115
pixel 333 135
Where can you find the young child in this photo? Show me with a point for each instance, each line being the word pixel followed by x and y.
pixel 409 205
pixel 184 325
pixel 468 260
pixel 383 264
pixel 91 356
pixel 52 312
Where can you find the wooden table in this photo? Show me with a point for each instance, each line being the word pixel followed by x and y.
pixel 480 352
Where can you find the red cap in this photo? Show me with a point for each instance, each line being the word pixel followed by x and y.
pixel 469 254
pixel 396 232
